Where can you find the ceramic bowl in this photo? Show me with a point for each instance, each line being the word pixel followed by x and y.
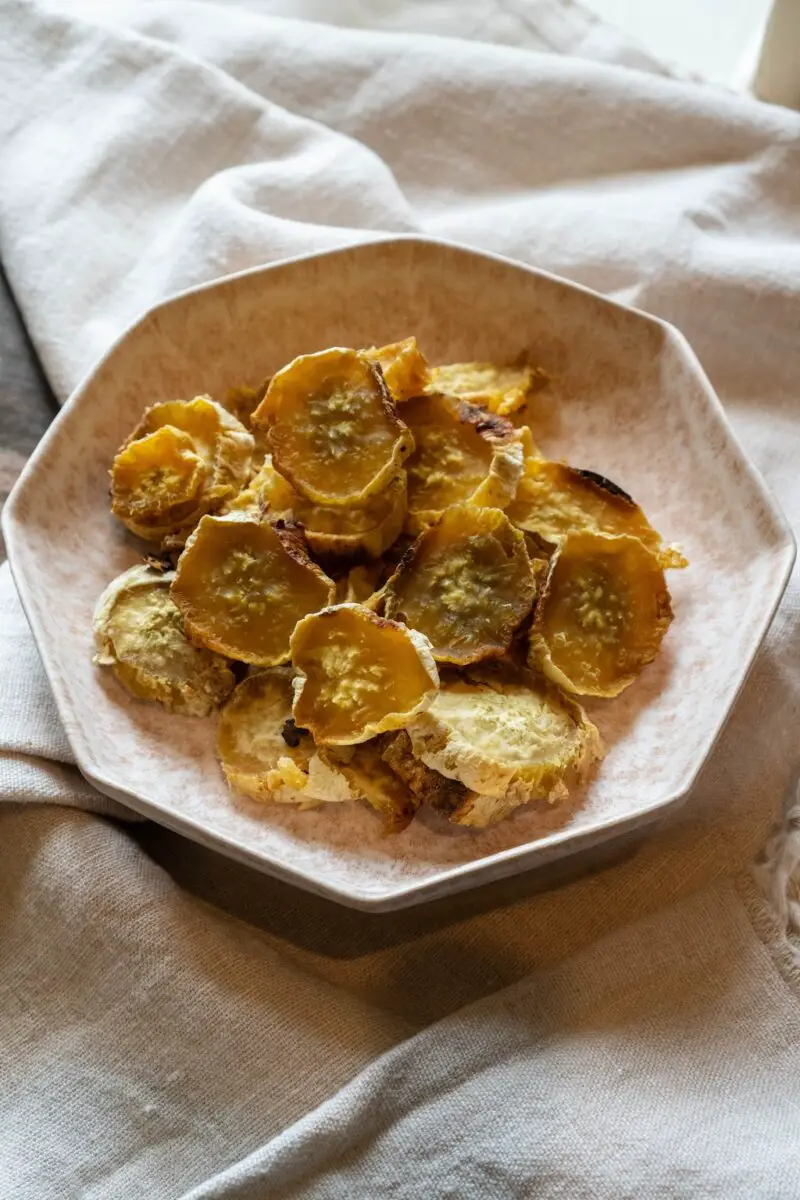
pixel 630 401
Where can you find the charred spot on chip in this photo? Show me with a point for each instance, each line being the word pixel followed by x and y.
pixel 158 562
pixel 484 421
pixel 292 733
pixel 607 485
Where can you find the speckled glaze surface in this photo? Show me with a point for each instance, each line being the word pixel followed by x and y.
pixel 630 402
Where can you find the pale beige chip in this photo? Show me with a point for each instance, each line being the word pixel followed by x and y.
pixel 264 755
pixel 463 455
pixel 601 615
pixel 243 584
pixel 358 674
pixel 466 584
pixel 508 737
pixel 554 500
pixel 333 429
pixel 140 635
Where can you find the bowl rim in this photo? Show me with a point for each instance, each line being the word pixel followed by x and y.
pixel 403 893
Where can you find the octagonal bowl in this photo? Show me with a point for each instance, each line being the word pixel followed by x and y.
pixel 629 400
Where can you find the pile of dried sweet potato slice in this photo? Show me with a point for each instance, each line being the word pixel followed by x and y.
pixel 410 594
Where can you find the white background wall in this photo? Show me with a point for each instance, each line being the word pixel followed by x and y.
pixel 718 39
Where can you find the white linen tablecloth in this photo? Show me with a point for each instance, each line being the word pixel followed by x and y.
pixel 173 1025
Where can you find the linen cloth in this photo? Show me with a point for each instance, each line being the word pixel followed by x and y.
pixel 173 1025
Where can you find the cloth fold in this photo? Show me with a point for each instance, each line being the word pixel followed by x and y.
pixel 633 1032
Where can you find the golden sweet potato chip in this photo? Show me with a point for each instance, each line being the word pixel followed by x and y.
pixel 508 737
pixel 463 455
pixel 503 390
pixel 139 633
pixel 467 584
pixel 554 500
pixel 359 674
pixel 243 584
pixel 184 459
pixel 265 756
pixel 333 428
pixel 404 367
pixel 601 615
pixel 157 483
pixel 366 529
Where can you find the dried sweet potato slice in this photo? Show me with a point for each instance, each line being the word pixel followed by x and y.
pixel 362 583
pixel 358 674
pixel 463 455
pixel 503 390
pixel 243 584
pixel 601 615
pixel 157 482
pixel 243 401
pixel 404 366
pixel 139 633
pixel 224 443
pixel 184 459
pixel 262 753
pixel 333 428
pixel 554 500
pixel 466 584
pixel 366 529
pixel 508 737
pixel 374 781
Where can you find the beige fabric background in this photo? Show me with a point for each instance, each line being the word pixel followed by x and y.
pixel 168 1019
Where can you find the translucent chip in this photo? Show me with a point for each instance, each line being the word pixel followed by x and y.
pixel 467 584
pixel 602 614
pixel 374 781
pixel 366 529
pixel 503 390
pixel 333 428
pixel 184 459
pixel 359 674
pixel 243 584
